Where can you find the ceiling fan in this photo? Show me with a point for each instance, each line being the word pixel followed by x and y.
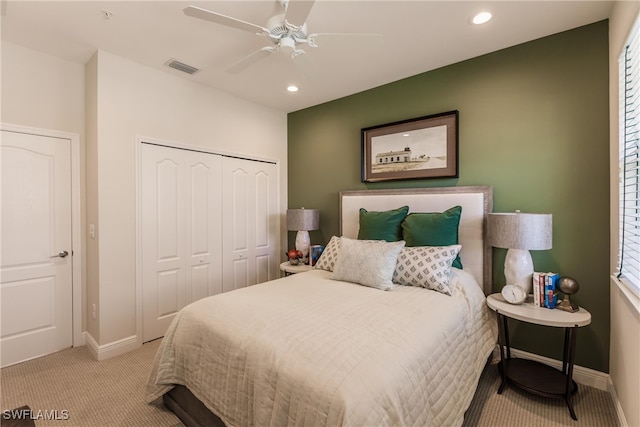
pixel 287 32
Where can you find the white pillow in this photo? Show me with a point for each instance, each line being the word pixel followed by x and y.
pixel 368 263
pixel 426 266
pixel 330 255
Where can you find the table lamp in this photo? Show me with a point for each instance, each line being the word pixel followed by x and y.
pixel 303 220
pixel 519 233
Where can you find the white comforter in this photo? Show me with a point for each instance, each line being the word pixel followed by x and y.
pixel 306 350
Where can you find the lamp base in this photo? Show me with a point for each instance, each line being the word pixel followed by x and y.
pixel 303 241
pixel 518 269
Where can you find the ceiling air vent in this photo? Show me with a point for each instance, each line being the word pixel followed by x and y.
pixel 180 66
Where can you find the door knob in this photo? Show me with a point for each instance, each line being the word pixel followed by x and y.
pixel 62 254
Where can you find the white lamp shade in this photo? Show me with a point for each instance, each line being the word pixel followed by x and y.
pixel 519 232
pixel 516 230
pixel 303 219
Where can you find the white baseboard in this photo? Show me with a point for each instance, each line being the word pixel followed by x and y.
pixel 112 349
pixel 616 403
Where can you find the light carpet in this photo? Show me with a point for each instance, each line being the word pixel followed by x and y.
pixel 111 393
pixel 106 393
pixel 517 408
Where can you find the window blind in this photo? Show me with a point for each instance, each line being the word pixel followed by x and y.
pixel 629 268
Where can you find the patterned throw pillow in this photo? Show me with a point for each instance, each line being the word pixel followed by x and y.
pixel 368 263
pixel 426 266
pixel 330 255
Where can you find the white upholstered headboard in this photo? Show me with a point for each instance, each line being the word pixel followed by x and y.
pixel 476 203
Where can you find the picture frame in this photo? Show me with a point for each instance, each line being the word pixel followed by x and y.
pixel 424 147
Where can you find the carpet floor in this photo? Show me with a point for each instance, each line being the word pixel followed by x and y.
pixel 71 386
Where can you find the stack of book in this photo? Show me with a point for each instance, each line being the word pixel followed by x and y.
pixel 545 293
pixel 314 254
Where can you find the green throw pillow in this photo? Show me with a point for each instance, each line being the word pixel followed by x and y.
pixel 382 225
pixel 433 229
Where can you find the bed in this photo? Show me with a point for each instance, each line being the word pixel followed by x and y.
pixel 316 349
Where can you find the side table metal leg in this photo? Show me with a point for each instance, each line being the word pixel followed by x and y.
pixel 565 354
pixel 503 338
pixel 570 336
pixel 506 336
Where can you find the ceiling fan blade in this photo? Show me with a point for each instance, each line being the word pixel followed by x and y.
pixel 298 11
pixel 341 40
pixel 217 18
pixel 251 59
pixel 304 65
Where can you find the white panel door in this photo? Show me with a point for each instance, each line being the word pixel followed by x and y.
pixel 204 225
pixel 181 241
pixel 250 218
pixel 36 265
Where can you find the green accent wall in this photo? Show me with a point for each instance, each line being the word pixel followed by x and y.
pixel 534 124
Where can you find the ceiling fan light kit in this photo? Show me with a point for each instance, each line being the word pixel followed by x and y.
pixel 287 43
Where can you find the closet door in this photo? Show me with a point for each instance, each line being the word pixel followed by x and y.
pixel 181 237
pixel 250 222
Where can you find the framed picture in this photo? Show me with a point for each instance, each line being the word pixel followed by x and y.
pixel 425 147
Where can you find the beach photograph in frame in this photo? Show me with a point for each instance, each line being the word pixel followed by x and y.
pixel 424 147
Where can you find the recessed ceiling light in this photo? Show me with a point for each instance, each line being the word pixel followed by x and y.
pixel 481 18
pixel 292 88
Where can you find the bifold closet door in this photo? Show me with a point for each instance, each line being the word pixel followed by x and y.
pixel 250 218
pixel 181 232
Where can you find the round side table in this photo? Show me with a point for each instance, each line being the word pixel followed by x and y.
pixel 289 269
pixel 530 375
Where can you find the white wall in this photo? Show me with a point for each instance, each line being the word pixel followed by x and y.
pixel 624 361
pixel 40 90
pixel 133 101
